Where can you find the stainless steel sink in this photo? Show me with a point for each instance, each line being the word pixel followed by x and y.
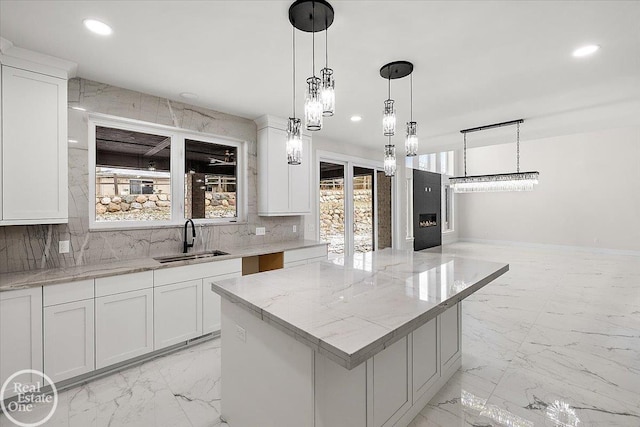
pixel 188 257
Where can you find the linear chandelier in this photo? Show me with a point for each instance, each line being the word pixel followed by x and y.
pixel 518 181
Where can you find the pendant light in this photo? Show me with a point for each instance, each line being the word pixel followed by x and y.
pixel 312 16
pixel 389 159
pixel 411 141
pixel 294 139
pixel 327 90
pixel 518 181
pixel 392 70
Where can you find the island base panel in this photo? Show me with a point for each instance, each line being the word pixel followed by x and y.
pixel 270 379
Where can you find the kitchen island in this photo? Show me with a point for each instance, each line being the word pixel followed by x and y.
pixel 358 341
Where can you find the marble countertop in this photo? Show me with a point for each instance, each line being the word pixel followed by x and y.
pixel 349 309
pixel 50 276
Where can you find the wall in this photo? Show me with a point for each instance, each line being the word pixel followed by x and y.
pixel 30 247
pixel 588 195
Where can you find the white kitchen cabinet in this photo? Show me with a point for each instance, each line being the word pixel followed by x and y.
pixel 124 326
pixel 69 339
pixel 450 339
pixel 20 332
pixel 211 303
pixel 34 148
pixel 295 257
pixel 283 189
pixel 177 311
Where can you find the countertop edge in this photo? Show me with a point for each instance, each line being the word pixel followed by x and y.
pixel 41 277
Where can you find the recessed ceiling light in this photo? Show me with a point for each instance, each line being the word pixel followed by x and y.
pixel 586 50
pixel 97 27
pixel 189 95
pixel 356 118
pixel 73 141
pixel 78 108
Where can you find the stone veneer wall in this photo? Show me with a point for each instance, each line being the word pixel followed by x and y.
pixel 36 246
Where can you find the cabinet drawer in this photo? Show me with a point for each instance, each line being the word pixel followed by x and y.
pixel 305 253
pixel 68 292
pixel 123 283
pixel 184 273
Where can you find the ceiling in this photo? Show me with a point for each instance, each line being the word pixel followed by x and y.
pixel 476 62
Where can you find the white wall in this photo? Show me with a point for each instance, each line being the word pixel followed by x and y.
pixel 588 195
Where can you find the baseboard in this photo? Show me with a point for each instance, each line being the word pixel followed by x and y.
pixel 559 248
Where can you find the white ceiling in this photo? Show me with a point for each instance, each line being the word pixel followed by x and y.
pixel 476 62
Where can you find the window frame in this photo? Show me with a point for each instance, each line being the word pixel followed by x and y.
pixel 177 164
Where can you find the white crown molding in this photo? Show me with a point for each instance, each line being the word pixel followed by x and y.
pixel 275 122
pixel 22 58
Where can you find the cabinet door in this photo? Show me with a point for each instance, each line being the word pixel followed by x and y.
pixel 211 303
pixel 124 326
pixel 273 172
pixel 20 332
pixel 69 339
pixel 300 181
pixel 177 312
pixel 34 147
pixel 449 337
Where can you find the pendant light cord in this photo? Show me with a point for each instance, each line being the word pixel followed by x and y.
pixel 411 98
pixel 465 154
pixel 313 39
pixel 518 147
pixel 326 46
pixel 293 32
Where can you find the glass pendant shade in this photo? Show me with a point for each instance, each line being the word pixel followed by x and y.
pixel 294 142
pixel 411 141
pixel 521 181
pixel 389 118
pixel 313 105
pixel 327 92
pixel 389 160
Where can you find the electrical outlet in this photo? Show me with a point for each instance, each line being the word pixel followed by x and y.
pixel 63 246
pixel 310 227
pixel 260 231
pixel 241 333
pixel 295 228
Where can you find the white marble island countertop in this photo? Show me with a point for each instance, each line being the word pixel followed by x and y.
pixel 349 309
pixel 52 276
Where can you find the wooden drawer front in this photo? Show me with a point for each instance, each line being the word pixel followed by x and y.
pixel 185 273
pixel 123 283
pixel 305 253
pixel 68 292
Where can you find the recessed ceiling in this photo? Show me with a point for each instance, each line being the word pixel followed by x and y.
pixel 475 62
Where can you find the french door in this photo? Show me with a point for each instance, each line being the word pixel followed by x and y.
pixel 350 203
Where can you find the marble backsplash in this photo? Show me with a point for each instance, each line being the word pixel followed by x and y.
pixel 36 246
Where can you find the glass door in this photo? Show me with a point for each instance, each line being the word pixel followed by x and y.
pixel 332 207
pixel 363 209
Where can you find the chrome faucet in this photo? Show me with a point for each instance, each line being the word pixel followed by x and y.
pixel 193 240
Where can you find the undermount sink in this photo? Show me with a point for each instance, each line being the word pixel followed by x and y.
pixel 188 257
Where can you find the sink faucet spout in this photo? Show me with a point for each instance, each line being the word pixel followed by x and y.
pixel 186 245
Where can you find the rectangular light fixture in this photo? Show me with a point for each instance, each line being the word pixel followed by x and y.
pixel 520 181
pixel 517 181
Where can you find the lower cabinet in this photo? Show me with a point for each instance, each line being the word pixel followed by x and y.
pixel 211 303
pixel 124 326
pixel 69 339
pixel 177 313
pixel 20 332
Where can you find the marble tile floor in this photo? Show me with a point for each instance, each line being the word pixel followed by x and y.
pixel 554 342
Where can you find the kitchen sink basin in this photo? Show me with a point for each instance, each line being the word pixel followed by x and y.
pixel 188 257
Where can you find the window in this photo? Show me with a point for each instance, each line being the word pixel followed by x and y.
pixel 210 180
pixel 133 175
pixel 144 174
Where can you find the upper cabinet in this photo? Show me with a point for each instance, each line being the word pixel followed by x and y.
pixel 283 189
pixel 33 141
